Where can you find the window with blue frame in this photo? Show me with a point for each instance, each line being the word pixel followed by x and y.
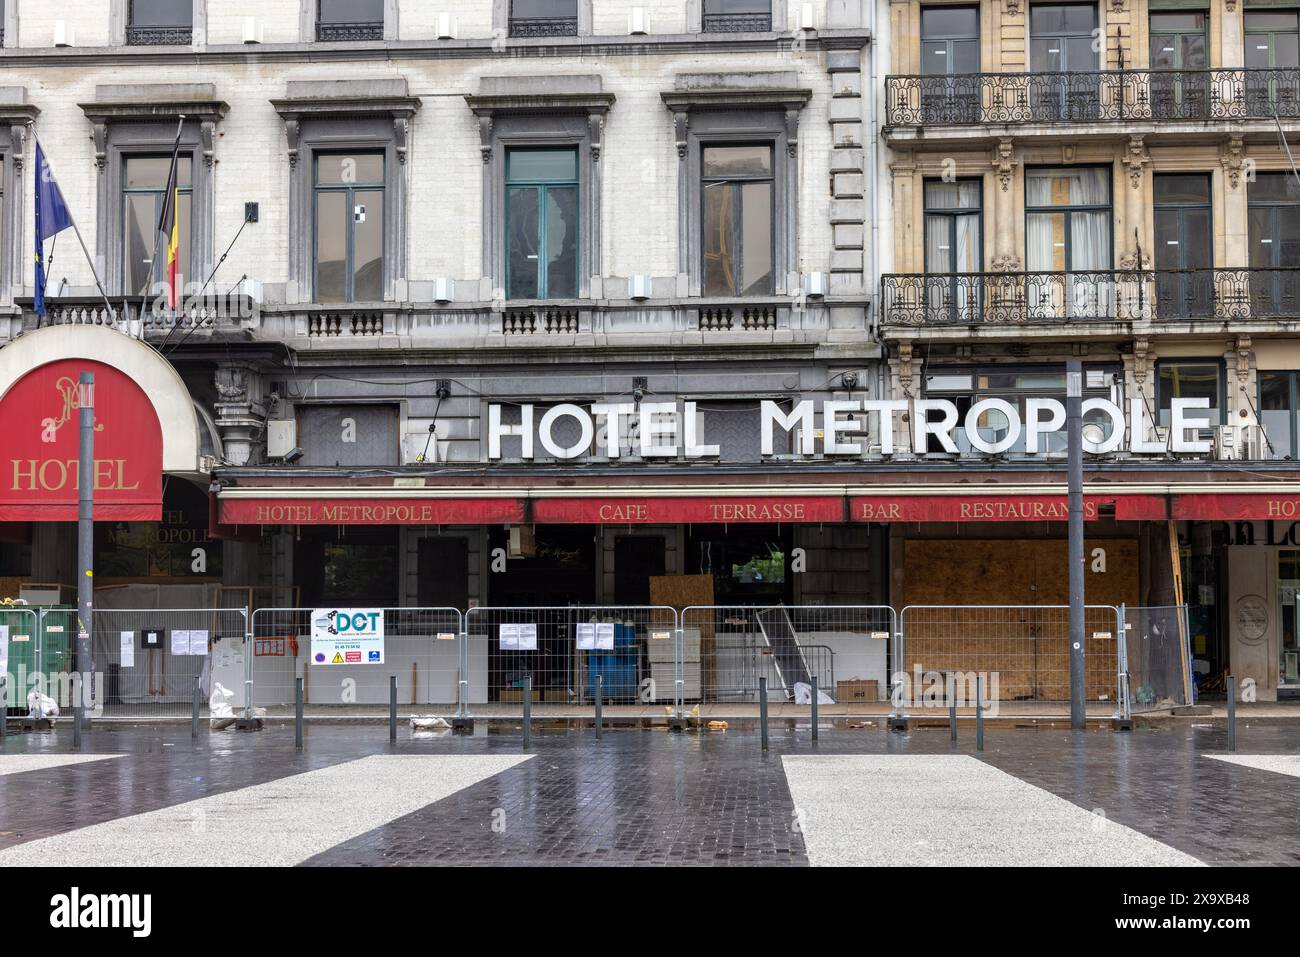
pixel 542 223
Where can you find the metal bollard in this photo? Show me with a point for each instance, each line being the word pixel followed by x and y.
pixel 528 709
pixel 194 710
pixel 952 709
pixel 979 713
pixel 297 713
pixel 1232 713
pixel 76 714
pixel 392 707
pixel 814 707
pixel 762 708
pixel 4 707
pixel 600 693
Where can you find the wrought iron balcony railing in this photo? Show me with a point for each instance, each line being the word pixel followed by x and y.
pixel 345 32
pixel 1102 96
pixel 991 299
pixel 737 22
pixel 155 36
pixel 544 27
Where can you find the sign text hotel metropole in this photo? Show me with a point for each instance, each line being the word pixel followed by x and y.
pixel 670 430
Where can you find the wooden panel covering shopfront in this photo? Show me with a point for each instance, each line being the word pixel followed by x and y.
pixel 1028 649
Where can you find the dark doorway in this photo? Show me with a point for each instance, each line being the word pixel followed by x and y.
pixel 637 558
pixel 443 569
pixel 561 570
pixel 347 566
pixel 750 564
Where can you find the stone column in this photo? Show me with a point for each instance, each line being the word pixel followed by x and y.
pixel 1135 160
pixel 1236 230
pixel 1004 162
pixel 240 415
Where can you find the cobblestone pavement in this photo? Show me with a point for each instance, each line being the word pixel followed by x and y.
pixel 650 797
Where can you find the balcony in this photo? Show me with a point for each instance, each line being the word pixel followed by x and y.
pixel 1105 96
pixel 534 27
pixel 138 35
pixel 1240 296
pixel 737 22
pixel 350 32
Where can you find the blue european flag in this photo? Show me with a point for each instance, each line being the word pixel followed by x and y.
pixel 52 217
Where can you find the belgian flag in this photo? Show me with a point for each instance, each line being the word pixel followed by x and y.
pixel 169 229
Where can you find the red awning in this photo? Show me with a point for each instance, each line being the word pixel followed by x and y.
pixel 371 511
pixel 634 510
pixel 1233 508
pixel 1002 508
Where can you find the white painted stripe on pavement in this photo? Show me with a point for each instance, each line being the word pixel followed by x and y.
pixel 19 763
pixel 275 824
pixel 950 810
pixel 1278 763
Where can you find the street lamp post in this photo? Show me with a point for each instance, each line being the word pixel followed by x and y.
pixel 1074 434
pixel 85 547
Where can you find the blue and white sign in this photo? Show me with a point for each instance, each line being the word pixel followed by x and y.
pixel 347 636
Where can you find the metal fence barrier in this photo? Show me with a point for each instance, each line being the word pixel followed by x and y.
pixel 1022 653
pixel 421 647
pixel 20 639
pixel 632 649
pixel 727 649
pixel 1158 662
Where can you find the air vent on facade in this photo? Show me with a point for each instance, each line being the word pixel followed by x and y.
pixel 446 26
pixel 636 21
pixel 64 34
pixel 252 30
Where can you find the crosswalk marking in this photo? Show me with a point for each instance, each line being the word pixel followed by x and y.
pixel 21 763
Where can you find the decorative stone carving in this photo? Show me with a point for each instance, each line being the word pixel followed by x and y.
pixel 1232 157
pixel 485 137
pixel 1004 162
pixel 1135 159
pixel 1014 7
pixel 1141 347
pixel 596 129
pixel 681 123
pixel 1006 264
pixel 240 418
pixel 293 135
pixel 401 137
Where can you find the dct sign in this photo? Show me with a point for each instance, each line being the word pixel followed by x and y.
pixel 38 446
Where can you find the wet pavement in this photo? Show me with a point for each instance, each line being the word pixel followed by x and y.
pixel 652 797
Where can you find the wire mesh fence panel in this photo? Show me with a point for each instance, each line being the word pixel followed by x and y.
pixel 1021 652
pixel 347 658
pixel 145 661
pixel 19 656
pixel 1158 660
pixel 626 651
pixel 727 649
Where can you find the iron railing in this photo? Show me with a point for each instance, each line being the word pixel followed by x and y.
pixel 1099 96
pixel 737 22
pixel 1007 298
pixel 343 32
pixel 525 27
pixel 158 36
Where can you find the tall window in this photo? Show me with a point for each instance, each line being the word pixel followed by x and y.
pixel 160 22
pixel 1272 43
pixel 2 22
pixel 1190 379
pixel 1184 253
pixel 950 62
pixel 1068 233
pixel 1179 56
pixel 543 18
pixel 1061 41
pixel 953 225
pixel 349 253
pixel 1279 402
pixel 737 16
pixel 737 216
pixel 1274 226
pixel 350 20
pixel 541 223
pixel 143 191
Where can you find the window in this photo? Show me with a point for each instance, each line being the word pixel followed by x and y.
pixel 543 18
pixel 350 20
pixel 737 16
pixel 541 224
pixel 1184 253
pixel 1062 38
pixel 144 186
pixel 4 10
pixel 349 252
pixel 737 216
pixel 160 22
pixel 950 63
pixel 953 228
pixel 1017 385
pixel 1190 379
pixel 1273 215
pixel 1180 85
pixel 1272 43
pixel 1068 233
pixel 1279 405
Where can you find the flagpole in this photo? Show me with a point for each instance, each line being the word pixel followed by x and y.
pixel 112 313
pixel 173 182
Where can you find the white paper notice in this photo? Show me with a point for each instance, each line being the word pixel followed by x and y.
pixel 198 642
pixel 509 637
pixel 4 652
pixel 586 637
pixel 128 648
pixel 526 637
pixel 605 637
pixel 180 642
